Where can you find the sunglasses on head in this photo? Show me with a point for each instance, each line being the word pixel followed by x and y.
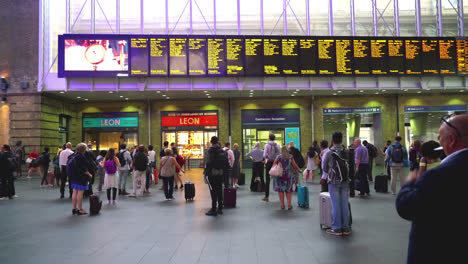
pixel 446 120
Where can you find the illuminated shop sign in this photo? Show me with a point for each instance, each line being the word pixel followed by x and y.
pixel 271 117
pixel 110 122
pixel 195 118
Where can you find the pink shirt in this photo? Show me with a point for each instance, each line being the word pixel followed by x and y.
pixel 230 156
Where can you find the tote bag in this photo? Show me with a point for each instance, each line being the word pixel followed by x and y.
pixel 276 170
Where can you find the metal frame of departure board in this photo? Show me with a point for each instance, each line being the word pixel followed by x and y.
pixel 306 50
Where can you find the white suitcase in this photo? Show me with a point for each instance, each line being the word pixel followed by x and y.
pixel 325 210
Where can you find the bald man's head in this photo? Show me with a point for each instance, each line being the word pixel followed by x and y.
pixel 69 145
pixel 454 135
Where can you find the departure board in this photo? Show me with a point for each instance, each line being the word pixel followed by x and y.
pixel 235 51
pixel 326 56
pixel 308 55
pixel 272 56
pixel 178 56
pixel 361 56
pixel 254 56
pixel 216 57
pixel 379 56
pixel 413 56
pixel 139 56
pixel 197 55
pixel 396 56
pixel 430 54
pixel 290 56
pixel 159 52
pixel 447 56
pixel 462 57
pixel 344 56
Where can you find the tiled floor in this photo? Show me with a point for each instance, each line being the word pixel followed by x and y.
pixel 37 227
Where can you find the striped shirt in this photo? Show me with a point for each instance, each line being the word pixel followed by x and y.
pixel 256 154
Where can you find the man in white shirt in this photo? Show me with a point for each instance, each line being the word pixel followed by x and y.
pixel 228 171
pixel 125 159
pixel 270 153
pixel 151 167
pixel 63 158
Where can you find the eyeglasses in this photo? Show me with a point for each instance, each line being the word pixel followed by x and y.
pixel 446 120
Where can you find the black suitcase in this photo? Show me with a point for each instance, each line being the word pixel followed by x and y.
pixel 189 189
pixel 256 186
pixel 241 180
pixel 381 183
pixel 95 204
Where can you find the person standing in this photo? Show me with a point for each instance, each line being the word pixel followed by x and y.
pixel 109 164
pixel 19 153
pixel 44 160
pixel 167 166
pixel 256 155
pixel 152 166
pixel 93 165
pixel 284 184
pixel 64 154
pixel 372 152
pixel 216 163
pixel 79 178
pixel 384 153
pixel 8 166
pixel 124 169
pixel 140 164
pixel 228 170
pixel 34 165
pixel 297 156
pixel 335 165
pixel 311 164
pixel 352 170
pixel 421 202
pixel 415 156
pixel 325 149
pixel 270 153
pixel 180 160
pixel 361 159
pixel 101 172
pixel 162 153
pixel 236 165
pixel 396 158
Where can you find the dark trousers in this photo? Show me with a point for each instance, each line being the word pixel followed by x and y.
pixel 216 192
pixel 168 186
pixel 371 165
pixel 7 185
pixel 257 171
pixel 148 177
pixel 64 179
pixel 45 171
pixel 267 176
pixel 114 193
pixel 19 171
pixel 227 174
pixel 352 175
pixel 362 176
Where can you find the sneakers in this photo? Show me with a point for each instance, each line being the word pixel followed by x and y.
pixel 132 195
pixel 181 186
pixel 108 202
pixel 211 213
pixel 236 185
pixel 334 232
pixel 346 232
pixel 113 202
pixel 220 211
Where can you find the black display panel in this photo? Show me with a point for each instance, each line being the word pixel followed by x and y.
pixel 235 54
pixel 344 56
pixel 139 51
pixel 254 56
pixel 290 56
pixel 396 56
pixel 216 56
pixel 178 56
pixel 361 56
pixel 308 55
pixel 159 55
pixel 447 56
pixel 430 55
pixel 197 58
pixel 462 56
pixel 413 56
pixel 326 56
pixel 272 56
pixel 379 56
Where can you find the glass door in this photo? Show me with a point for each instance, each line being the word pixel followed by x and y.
pixel 263 137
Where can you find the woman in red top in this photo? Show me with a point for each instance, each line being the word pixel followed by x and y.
pixel 180 160
pixel 33 156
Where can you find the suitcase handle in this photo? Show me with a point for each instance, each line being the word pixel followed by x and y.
pixel 185 177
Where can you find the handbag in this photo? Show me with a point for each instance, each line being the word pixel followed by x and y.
pixel 317 159
pixel 276 170
pixel 28 160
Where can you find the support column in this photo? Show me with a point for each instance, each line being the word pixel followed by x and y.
pixel 330 17
pixel 461 15
pixel 396 18
pixel 439 18
pixel 354 127
pixel 418 122
pixel 353 18
pixel 418 17
pixel 374 17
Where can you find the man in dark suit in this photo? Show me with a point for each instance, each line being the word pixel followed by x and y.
pixel 436 201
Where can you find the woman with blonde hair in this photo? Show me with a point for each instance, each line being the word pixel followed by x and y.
pixel 236 165
pixel 79 178
pixel 284 184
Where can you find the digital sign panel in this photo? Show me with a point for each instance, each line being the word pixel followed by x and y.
pixel 159 55
pixel 396 56
pixel 308 55
pixel 430 55
pixel 139 63
pixel 379 56
pixel 361 56
pixel 197 56
pixel 290 56
pixel 413 56
pixel 235 53
pixel 326 56
pixel 462 56
pixel 216 57
pixel 344 56
pixel 447 56
pixel 178 56
pixel 254 56
pixel 272 56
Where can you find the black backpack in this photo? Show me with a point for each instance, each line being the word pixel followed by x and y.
pixel 12 163
pixel 95 204
pixel 220 160
pixel 121 158
pixel 372 150
pixel 300 162
pixel 140 162
pixel 397 153
pixel 339 171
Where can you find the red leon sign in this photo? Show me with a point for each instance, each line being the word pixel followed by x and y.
pixel 190 121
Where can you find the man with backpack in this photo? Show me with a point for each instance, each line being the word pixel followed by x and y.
pixel 270 153
pixel 63 158
pixel 396 156
pixel 140 165
pixel 372 151
pixel 8 164
pixel 124 170
pixel 335 164
pixel 216 163
pixel 361 159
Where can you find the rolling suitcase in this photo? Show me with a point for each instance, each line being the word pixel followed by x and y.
pixel 256 186
pixel 50 177
pixel 303 196
pixel 230 196
pixel 95 204
pixel 241 180
pixel 381 183
pixel 325 211
pixel 189 189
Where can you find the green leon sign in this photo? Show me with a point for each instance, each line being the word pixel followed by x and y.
pixel 110 122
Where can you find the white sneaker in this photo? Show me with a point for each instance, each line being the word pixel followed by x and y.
pixel 51 185
pixel 237 185
pixel 3 198
pixel 132 195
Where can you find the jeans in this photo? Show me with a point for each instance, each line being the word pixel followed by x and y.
pixel 339 203
pixel 64 179
pixel 45 171
pixel 139 176
pixel 216 191
pixel 123 174
pixel 267 178
pixel 168 186
pixel 257 171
